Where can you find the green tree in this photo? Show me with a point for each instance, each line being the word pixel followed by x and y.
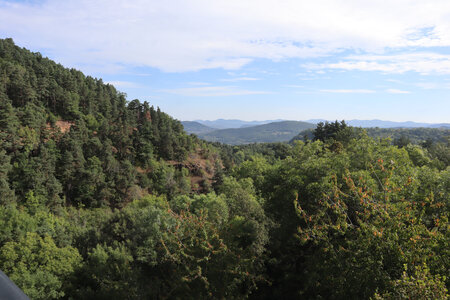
pixel 38 266
pixel 7 194
pixel 420 285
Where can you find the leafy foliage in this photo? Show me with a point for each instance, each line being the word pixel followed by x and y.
pixel 38 266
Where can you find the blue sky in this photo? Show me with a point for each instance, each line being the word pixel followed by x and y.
pixel 253 60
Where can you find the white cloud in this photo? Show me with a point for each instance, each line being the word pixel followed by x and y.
pixel 397 91
pixel 213 91
pixel 189 35
pixel 422 62
pixel 349 91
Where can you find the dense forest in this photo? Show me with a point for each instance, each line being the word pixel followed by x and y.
pixel 105 198
pixel 426 137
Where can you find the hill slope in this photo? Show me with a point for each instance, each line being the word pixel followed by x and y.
pixel 196 127
pixel 267 133
pixel 74 140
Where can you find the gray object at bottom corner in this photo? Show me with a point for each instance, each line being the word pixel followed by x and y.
pixel 10 291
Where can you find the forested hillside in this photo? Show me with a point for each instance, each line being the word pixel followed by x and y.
pixel 71 139
pixel 196 128
pixel 104 198
pixel 398 136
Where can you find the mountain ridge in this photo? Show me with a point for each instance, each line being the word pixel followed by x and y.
pixel 265 133
pixel 283 131
pixel 237 123
pixel 193 127
pixel 234 123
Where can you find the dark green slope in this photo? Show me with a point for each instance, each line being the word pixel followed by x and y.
pixel 196 128
pixel 267 133
pixel 71 139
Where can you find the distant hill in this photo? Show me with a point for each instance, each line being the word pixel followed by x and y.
pixel 266 133
pixel 225 124
pixel 387 124
pixel 196 127
pixel 441 125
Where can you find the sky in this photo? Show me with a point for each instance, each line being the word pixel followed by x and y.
pixel 253 59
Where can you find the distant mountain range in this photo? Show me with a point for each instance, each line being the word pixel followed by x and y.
pixel 237 132
pixel 235 123
pixel 225 124
pixel 266 133
pixel 196 127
